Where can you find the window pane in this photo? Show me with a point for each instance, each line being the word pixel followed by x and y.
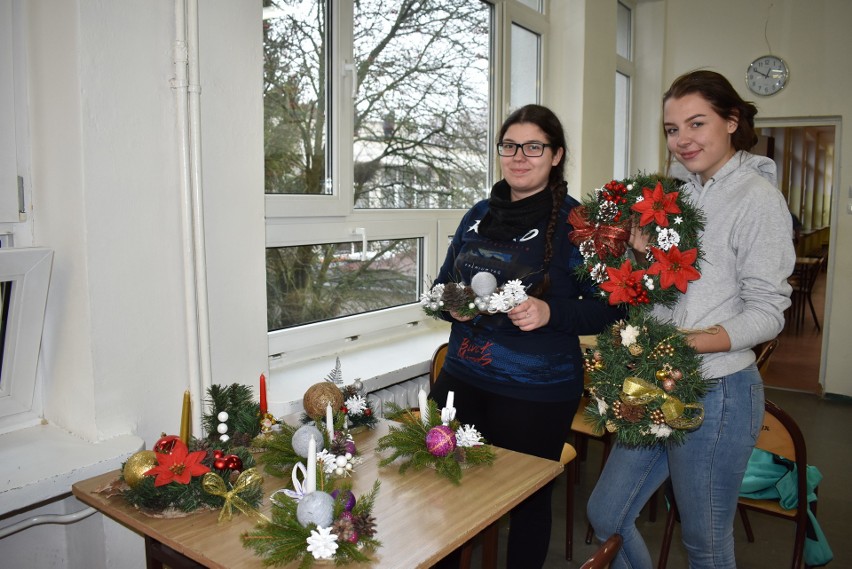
pixel 526 62
pixel 421 110
pixel 534 4
pixel 311 283
pixel 294 97
pixel 623 33
pixel 622 126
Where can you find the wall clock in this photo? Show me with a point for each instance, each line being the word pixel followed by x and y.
pixel 767 75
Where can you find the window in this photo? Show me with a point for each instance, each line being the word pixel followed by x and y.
pixel 24 277
pixel 623 83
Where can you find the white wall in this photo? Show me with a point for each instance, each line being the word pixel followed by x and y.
pixel 812 37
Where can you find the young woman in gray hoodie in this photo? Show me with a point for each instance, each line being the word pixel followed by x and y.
pixel 738 302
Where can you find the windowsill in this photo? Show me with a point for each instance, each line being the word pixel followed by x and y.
pixel 41 463
pixel 377 364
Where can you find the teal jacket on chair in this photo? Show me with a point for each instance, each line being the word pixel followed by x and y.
pixel 771 477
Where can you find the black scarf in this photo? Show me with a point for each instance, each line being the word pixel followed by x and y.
pixel 506 219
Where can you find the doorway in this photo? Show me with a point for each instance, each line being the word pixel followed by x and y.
pixel 806 160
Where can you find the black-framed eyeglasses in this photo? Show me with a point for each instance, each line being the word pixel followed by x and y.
pixel 530 149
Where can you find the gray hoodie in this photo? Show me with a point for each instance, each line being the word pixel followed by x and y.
pixel 748 256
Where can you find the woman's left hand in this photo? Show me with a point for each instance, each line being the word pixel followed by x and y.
pixel 530 314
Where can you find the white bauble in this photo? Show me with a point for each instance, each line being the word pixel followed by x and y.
pixel 483 284
pixel 222 416
pixel 316 508
pixel 302 438
pixel 222 428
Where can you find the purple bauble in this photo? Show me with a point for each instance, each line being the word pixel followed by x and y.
pixel 350 447
pixel 349 502
pixel 440 440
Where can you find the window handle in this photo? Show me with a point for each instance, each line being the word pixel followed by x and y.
pixel 349 69
pixel 363 233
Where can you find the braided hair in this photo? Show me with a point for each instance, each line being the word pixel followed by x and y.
pixel 549 123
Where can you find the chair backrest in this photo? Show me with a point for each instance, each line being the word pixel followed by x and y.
pixel 437 363
pixel 764 351
pixel 781 435
pixel 605 554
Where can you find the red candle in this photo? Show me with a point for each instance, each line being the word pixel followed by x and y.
pixel 262 394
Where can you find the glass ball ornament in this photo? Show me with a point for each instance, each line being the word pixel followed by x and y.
pixel 222 416
pixel 316 508
pixel 222 428
pixel 137 465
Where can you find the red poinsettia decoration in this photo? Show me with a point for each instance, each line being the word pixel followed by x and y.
pixel 655 206
pixel 179 466
pixel 675 267
pixel 625 285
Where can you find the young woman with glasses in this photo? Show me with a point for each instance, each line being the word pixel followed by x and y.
pixel 518 377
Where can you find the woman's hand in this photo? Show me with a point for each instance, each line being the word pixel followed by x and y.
pixel 530 314
pixel 638 240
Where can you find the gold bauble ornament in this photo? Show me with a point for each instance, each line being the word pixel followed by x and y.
pixel 137 465
pixel 319 395
pixel 635 350
pixel 661 375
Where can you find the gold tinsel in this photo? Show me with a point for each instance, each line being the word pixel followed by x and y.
pixel 319 395
pixel 137 465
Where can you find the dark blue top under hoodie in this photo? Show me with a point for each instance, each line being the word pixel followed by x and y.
pixel 495 355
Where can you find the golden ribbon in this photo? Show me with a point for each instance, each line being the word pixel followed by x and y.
pixel 637 391
pixel 246 481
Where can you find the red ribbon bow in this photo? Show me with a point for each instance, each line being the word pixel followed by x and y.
pixel 607 239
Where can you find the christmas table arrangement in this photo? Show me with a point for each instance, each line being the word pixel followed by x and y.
pixel 433 439
pixel 481 296
pixel 646 381
pixel 317 517
pixel 182 474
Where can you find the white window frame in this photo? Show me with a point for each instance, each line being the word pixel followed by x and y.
pixel 305 220
pixel 29 271
pixel 627 67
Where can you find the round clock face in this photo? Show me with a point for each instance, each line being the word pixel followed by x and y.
pixel 767 75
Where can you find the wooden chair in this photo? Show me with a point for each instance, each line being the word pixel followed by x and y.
pixel 803 281
pixel 779 435
pixel 489 534
pixel 605 554
pixel 764 351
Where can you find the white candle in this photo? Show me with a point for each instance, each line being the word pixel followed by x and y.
pixel 424 406
pixel 311 473
pixel 450 399
pixel 329 422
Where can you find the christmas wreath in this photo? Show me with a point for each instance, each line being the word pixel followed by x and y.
pixel 646 381
pixel 433 439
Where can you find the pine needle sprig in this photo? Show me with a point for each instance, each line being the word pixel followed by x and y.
pixel 243 413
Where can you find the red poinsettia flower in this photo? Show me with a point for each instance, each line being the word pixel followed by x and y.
pixel 675 267
pixel 178 466
pixel 625 285
pixel 656 205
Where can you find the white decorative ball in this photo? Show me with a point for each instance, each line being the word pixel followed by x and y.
pixel 483 284
pixel 224 438
pixel 222 428
pixel 340 460
pixel 302 438
pixel 222 416
pixel 316 508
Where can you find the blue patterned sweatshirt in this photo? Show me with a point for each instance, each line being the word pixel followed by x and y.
pixel 492 353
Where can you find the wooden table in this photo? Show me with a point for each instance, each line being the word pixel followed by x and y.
pixel 420 517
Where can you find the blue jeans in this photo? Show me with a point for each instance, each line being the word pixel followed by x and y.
pixel 706 473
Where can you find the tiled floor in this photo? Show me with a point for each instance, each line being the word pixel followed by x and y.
pixel 825 423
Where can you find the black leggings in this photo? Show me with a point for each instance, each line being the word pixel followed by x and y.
pixel 531 427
